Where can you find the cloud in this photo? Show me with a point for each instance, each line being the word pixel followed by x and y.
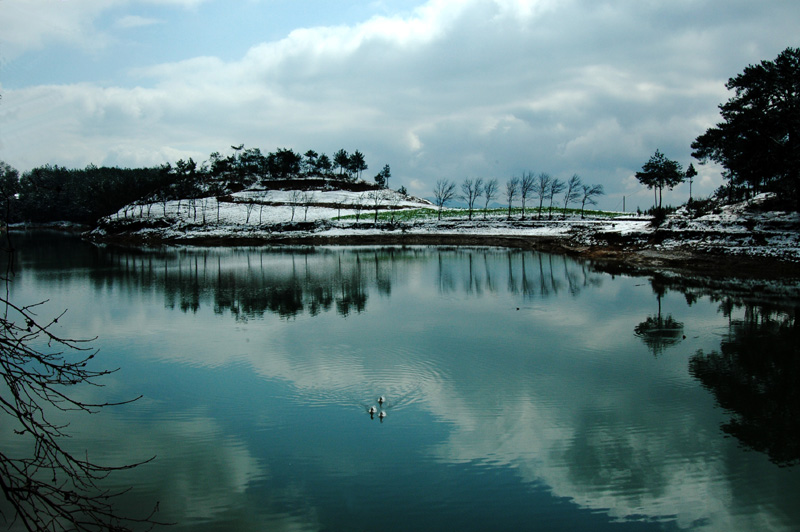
pixel 135 21
pixel 602 448
pixel 449 89
pixel 27 25
pixel 30 25
pixel 550 409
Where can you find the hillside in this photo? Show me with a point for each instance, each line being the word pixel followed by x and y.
pixel 317 213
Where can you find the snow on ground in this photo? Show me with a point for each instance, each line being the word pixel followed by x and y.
pixel 257 207
pixel 741 229
pixel 342 197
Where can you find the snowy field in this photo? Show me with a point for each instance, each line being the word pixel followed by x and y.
pixel 740 229
pixel 256 208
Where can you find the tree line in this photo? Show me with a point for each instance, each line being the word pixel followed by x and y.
pixel 757 142
pixel 519 190
pixel 55 193
pixel 247 166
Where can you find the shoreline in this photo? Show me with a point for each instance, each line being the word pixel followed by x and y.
pixel 614 253
pixel 744 239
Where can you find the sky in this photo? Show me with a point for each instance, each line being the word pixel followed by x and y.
pixel 438 89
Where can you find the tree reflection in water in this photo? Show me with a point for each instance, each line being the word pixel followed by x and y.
pixel 284 283
pixel 756 377
pixel 530 274
pixel 659 332
pixel 251 282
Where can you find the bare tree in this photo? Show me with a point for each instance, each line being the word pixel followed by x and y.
pixel 307 199
pixel 376 197
pixel 526 185
pixel 164 198
pixel 294 199
pixel 556 187
pixel 49 487
pixel 444 191
pixel 512 188
pixel 261 207
pixel 572 192
pixel 358 205
pixel 471 190
pixel 393 201
pixel 489 192
pixel 542 188
pixel 249 206
pixel 588 192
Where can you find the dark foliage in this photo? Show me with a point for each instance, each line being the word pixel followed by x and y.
pixel 758 141
pixel 658 173
pixel 54 193
pixel 756 377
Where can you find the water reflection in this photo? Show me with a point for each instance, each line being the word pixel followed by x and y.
pixel 248 283
pixel 529 274
pixel 519 390
pixel 755 375
pixel 259 282
pixel 659 332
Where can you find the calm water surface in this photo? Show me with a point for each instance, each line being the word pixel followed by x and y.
pixel 524 391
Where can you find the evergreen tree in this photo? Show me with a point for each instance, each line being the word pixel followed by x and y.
pixel 758 141
pixel 357 164
pixel 382 178
pixel 341 160
pixel 324 165
pixel 659 172
pixel 9 191
pixel 690 175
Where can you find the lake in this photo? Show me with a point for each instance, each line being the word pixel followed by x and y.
pixel 524 391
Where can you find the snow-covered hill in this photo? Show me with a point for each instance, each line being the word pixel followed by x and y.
pixel 277 216
pixel 259 207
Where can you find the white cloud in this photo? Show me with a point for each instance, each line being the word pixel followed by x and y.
pixel 136 21
pixel 602 449
pixel 33 24
pixel 448 89
pixel 27 25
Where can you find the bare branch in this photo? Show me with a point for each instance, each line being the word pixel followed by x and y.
pixel 50 487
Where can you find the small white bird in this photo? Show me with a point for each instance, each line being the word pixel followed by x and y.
pixel 382 415
pixel 372 410
pixel 381 400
